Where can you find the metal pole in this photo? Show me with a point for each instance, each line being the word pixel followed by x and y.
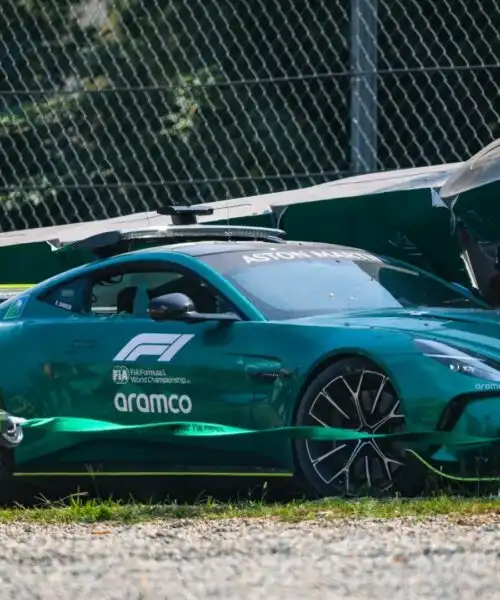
pixel 364 105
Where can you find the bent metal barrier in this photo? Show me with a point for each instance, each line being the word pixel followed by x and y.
pixel 38 438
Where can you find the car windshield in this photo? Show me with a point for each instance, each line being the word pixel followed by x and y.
pixel 300 283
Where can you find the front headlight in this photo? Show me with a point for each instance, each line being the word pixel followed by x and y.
pixel 460 361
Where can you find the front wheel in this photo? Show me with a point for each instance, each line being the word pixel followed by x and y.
pixel 353 393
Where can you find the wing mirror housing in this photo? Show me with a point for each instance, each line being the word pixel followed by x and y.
pixel 179 307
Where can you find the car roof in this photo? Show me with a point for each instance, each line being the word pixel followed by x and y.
pixel 195 250
pixel 198 249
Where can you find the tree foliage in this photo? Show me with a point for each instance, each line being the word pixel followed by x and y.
pixel 107 107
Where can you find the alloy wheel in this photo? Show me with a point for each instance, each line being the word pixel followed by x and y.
pixel 363 400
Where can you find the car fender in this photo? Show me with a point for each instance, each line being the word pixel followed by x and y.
pixel 306 350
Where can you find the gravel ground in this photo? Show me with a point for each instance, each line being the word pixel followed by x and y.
pixel 254 559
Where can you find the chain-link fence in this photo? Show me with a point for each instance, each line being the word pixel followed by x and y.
pixel 113 106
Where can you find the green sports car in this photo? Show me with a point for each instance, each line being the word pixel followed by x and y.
pixel 226 350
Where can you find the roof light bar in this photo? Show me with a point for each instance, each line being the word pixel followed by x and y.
pixel 185 215
pixel 112 242
pixel 203 231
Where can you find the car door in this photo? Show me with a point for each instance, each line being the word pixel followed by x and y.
pixel 112 362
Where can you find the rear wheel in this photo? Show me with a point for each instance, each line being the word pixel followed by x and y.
pixel 354 394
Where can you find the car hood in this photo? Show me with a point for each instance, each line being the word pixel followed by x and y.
pixel 468 328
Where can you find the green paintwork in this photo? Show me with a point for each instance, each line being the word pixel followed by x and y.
pixel 57 364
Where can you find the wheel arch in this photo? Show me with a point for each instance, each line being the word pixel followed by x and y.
pixel 326 362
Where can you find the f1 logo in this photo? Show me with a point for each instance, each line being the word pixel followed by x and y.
pixel 163 345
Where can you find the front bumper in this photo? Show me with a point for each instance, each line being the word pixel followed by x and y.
pixel 472 414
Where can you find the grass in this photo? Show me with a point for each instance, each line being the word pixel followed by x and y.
pixel 79 510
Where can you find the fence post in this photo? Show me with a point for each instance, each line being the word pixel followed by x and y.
pixel 364 106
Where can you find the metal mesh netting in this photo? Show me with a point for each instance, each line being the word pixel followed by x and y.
pixel 109 107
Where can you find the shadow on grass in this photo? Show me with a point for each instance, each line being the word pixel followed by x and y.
pixel 199 490
pixel 122 499
pixel 181 490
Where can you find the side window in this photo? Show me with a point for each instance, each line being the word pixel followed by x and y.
pixel 70 297
pixel 129 293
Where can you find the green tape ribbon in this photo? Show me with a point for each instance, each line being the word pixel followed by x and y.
pixel 44 437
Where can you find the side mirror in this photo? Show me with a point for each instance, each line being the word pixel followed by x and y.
pixel 170 307
pixel 179 307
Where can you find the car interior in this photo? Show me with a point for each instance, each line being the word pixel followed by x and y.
pixel 129 294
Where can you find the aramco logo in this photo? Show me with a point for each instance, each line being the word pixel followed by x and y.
pixel 153 403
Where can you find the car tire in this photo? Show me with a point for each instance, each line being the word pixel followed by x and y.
pixel 354 393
